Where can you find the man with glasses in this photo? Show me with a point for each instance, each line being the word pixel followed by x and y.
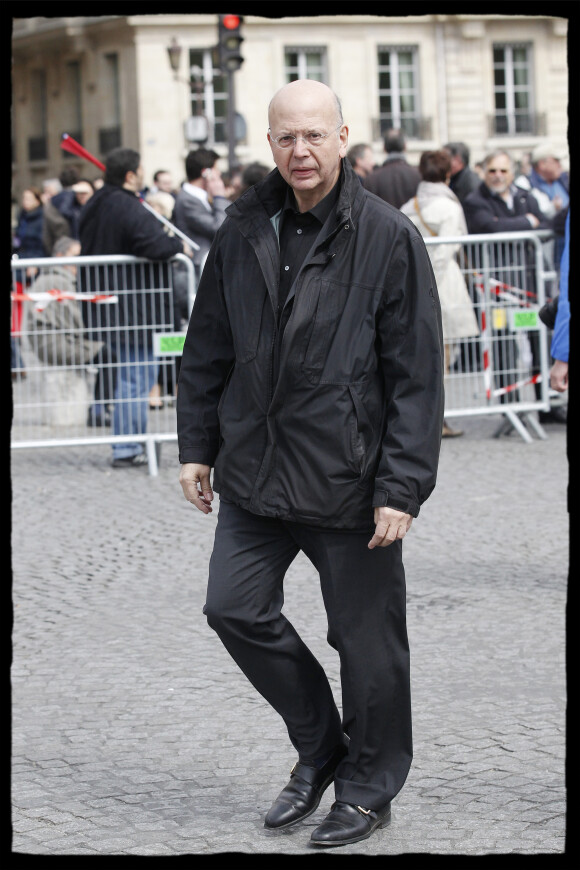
pixel 311 381
pixel 499 206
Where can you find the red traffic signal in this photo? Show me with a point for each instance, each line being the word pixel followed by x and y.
pixel 229 41
pixel 231 22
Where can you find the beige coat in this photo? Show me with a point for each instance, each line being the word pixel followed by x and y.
pixel 436 211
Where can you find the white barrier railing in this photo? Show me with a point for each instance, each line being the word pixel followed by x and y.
pixel 71 327
pixel 503 366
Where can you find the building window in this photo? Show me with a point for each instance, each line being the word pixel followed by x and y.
pixel 38 142
pixel 305 63
pixel 399 103
pixel 72 109
pixel 110 130
pixel 209 94
pixel 513 90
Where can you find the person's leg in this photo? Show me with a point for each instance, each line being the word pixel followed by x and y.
pixel 136 375
pixel 108 376
pixel 505 361
pixel 104 389
pixel 365 598
pixel 245 596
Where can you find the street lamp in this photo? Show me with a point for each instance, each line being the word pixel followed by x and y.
pixel 174 54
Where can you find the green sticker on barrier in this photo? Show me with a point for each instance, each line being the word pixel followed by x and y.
pixel 169 343
pixel 525 318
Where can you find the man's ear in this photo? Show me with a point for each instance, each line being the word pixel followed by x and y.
pixel 343 141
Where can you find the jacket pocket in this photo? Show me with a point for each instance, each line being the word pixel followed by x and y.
pixel 330 304
pixel 361 436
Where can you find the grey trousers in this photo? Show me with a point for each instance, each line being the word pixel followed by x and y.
pixel 365 599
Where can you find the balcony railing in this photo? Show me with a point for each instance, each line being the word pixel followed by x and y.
pixel 412 127
pixel 517 124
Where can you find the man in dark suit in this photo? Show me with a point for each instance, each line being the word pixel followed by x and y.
pixel 463 180
pixel 200 205
pixel 395 181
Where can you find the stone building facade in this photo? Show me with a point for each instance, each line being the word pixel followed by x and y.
pixel 487 80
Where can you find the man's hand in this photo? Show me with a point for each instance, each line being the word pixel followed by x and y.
pixel 559 376
pixel 389 525
pixel 191 476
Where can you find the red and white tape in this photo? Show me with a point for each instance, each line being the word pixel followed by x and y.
pixel 503 390
pixel 60 296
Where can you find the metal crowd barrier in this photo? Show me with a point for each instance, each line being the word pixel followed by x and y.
pixel 70 329
pixel 504 367
pixel 70 324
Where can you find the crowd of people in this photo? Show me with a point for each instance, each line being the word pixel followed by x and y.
pixel 442 196
pixel 73 215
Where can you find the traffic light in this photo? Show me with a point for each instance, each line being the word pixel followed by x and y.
pixel 229 42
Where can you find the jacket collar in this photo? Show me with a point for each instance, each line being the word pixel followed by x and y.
pixel 266 199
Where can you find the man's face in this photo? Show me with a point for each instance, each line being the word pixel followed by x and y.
pixel 209 175
pixel 140 177
pixel 164 182
pixel 549 168
pixel 134 180
pixel 498 174
pixel 83 193
pixel 366 163
pixel 456 162
pixel 73 251
pixel 311 171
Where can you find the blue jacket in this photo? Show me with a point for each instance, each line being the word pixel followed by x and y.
pixel 561 337
pixel 560 187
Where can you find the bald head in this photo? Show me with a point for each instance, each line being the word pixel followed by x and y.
pixel 302 95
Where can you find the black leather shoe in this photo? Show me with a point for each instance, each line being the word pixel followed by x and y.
pixel 303 793
pixel 347 823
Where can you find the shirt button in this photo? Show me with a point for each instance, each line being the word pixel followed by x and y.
pixel 286 268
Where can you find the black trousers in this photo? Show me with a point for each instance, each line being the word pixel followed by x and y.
pixel 365 599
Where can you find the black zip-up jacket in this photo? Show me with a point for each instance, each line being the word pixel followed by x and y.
pixel 114 221
pixel 337 406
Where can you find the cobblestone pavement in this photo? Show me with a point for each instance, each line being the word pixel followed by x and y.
pixel 135 734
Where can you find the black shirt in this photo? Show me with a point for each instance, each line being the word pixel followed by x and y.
pixel 297 233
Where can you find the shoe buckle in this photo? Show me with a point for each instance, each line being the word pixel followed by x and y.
pixel 362 809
